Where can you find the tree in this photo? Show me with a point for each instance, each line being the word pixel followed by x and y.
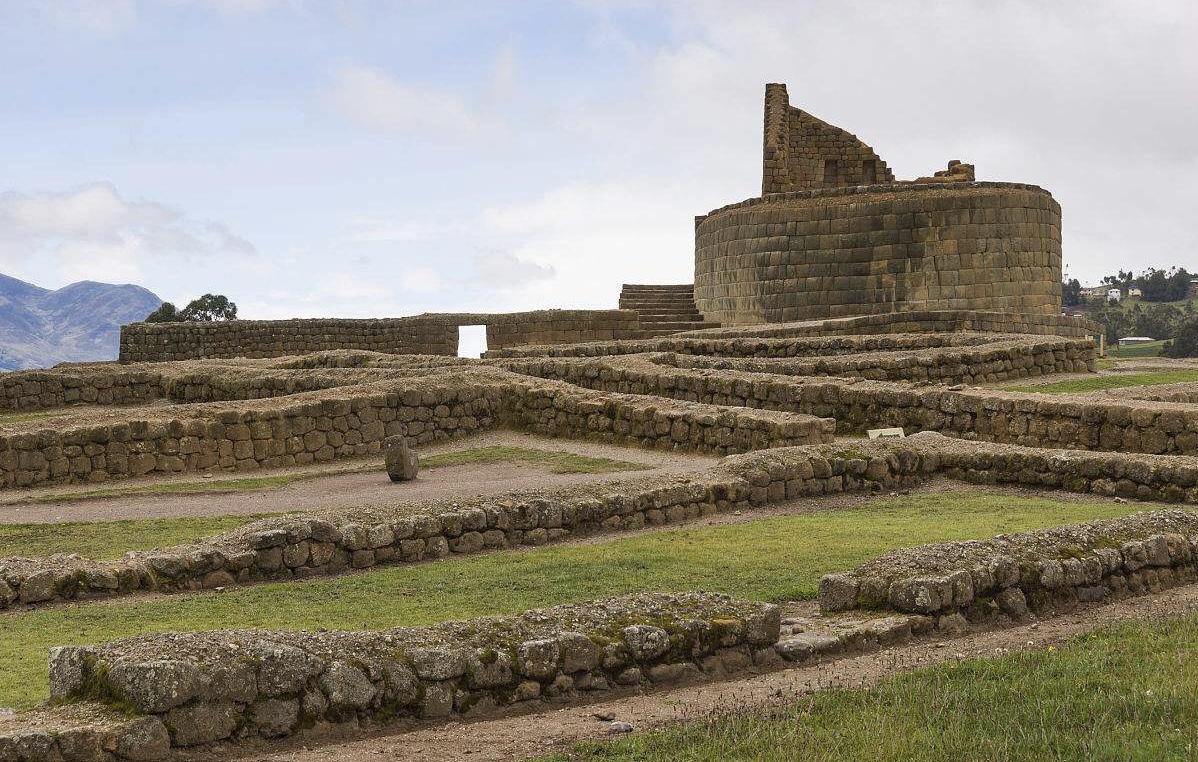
pixel 166 313
pixel 1185 343
pixel 1165 285
pixel 1116 323
pixel 1071 293
pixel 207 308
pixel 1160 321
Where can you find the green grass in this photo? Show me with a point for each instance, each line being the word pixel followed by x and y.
pixel 1128 692
pixel 1147 349
pixel 554 461
pixel 557 462
pixel 8 417
pixel 109 539
pixel 1116 381
pixel 774 559
pixel 215 486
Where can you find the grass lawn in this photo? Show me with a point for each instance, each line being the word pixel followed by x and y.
pixel 9 417
pixel 1128 692
pixel 554 461
pixel 1148 349
pixel 780 558
pixel 557 462
pixel 1095 383
pixel 110 539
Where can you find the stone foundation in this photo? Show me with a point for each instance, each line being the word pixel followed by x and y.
pixel 206 687
pixel 1012 574
pixel 429 334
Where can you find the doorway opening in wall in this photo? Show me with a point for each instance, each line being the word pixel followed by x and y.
pixel 472 340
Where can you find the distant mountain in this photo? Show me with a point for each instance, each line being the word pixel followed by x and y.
pixel 76 323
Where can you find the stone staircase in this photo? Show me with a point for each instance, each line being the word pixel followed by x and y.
pixel 664 309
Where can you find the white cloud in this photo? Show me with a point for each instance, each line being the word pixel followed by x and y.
pixel 502 269
pixel 93 232
pixel 421 280
pixel 374 98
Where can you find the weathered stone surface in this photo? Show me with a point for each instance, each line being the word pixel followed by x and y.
pixel 346 686
pixel 403 464
pixel 155 686
pixel 145 739
pixel 438 663
pixel 275 717
pixel 646 642
pixel 202 723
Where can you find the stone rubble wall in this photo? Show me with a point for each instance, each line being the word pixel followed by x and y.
pixel 561 411
pixel 996 361
pixel 1032 420
pixel 795 346
pixel 202 688
pixel 1053 568
pixel 859 331
pixel 349 421
pixel 86 384
pixel 872 249
pixel 1185 392
pixel 428 334
pixel 286 548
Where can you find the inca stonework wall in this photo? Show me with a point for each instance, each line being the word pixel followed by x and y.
pixel 429 334
pixel 801 151
pixel 834 234
pixel 878 249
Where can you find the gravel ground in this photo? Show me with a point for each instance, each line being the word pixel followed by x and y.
pixel 372 487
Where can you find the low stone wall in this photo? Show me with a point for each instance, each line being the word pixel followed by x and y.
pixel 800 346
pixel 26 390
pixel 1010 574
pixel 319 426
pixel 1164 478
pixel 989 363
pixel 917 321
pixel 428 334
pixel 330 542
pixel 1033 420
pixel 301 429
pixel 1184 392
pixel 663 424
pixel 156 342
pixel 207 687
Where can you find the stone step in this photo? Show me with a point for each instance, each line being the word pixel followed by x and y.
pixel 688 287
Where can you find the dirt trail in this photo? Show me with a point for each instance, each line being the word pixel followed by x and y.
pixel 341 489
pixel 518 736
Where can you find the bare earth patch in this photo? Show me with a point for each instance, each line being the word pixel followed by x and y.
pixel 347 484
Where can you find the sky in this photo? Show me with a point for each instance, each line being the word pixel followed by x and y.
pixel 363 158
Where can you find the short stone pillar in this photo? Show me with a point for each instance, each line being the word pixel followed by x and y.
pixel 402 462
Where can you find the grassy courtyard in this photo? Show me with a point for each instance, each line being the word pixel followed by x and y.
pixel 1114 381
pixel 110 539
pixel 779 558
pixel 1123 693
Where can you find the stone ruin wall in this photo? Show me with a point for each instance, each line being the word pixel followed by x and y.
pixel 880 249
pixel 834 234
pixel 428 334
pixel 798 147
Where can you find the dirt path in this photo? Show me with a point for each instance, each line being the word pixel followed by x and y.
pixel 342 489
pixel 518 736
